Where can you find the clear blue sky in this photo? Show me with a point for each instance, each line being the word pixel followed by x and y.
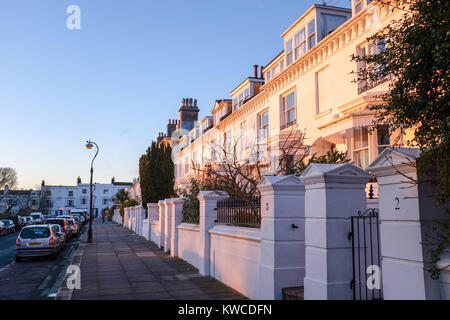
pixel 121 77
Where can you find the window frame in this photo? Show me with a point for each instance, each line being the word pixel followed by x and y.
pixel 287 111
pixel 263 128
pixel 289 52
pixel 312 35
pixel 361 149
pixel 303 42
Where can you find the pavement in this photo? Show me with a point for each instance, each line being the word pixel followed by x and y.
pixel 31 279
pixel 120 265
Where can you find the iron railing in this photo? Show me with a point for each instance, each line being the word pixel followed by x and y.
pixel 239 212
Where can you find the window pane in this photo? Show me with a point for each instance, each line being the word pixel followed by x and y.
pixel 311 27
pixel 357 137
pixel 265 118
pixel 289 46
pixel 300 37
pixel 289 59
pixel 365 137
pixel 383 136
pixel 312 41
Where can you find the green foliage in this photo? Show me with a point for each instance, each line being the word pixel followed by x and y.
pixel 121 196
pixel 415 54
pixel 191 205
pixel 127 204
pixel 156 173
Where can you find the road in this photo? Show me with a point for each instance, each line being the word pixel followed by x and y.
pixel 31 279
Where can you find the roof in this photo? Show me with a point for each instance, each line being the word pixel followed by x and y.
pixel 313 7
pixel 16 192
pixel 122 183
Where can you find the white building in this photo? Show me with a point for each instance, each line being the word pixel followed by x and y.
pixel 61 199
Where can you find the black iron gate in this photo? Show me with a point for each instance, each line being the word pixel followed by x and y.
pixel 366 255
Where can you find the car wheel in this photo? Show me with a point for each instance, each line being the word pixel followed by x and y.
pixel 18 259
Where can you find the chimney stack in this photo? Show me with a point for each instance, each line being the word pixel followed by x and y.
pixel 171 127
pixel 262 73
pixel 256 70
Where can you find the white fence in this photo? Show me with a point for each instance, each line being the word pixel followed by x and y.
pixel 304 235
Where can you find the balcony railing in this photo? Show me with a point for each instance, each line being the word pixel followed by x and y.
pixel 369 84
pixel 239 212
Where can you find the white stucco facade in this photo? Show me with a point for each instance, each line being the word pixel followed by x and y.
pixel 65 198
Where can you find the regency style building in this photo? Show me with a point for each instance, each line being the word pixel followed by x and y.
pixel 309 89
pixel 61 199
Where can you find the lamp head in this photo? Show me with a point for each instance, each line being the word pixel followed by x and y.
pixel 89 145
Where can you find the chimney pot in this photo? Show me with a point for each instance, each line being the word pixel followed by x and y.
pixel 256 70
pixel 261 73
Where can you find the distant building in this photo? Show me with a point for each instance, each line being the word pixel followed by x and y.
pixel 134 192
pixel 61 199
pixel 19 200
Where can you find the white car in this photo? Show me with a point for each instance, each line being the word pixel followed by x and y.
pixel 38 217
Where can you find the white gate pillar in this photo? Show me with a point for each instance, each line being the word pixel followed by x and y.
pixel 208 213
pixel 162 220
pixel 153 215
pixel 407 214
pixel 334 193
pixel 282 235
pixel 176 217
pixel 167 225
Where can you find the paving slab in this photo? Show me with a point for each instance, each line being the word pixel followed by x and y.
pixel 119 265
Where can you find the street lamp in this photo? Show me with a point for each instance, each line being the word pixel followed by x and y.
pixel 89 146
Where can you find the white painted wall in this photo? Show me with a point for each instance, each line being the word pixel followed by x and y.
pixel 236 257
pixel 189 244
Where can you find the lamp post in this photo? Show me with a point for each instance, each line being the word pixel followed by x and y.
pixel 90 145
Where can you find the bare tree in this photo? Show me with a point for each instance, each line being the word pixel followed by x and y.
pixel 8 177
pixel 231 170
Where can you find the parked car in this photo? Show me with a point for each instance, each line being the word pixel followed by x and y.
pixel 61 234
pixel 16 222
pixel 22 221
pixel 29 220
pixel 73 227
pixel 80 217
pixel 3 229
pixel 38 217
pixel 64 224
pixel 9 226
pixel 36 241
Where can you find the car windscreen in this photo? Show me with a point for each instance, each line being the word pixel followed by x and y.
pixel 35 216
pixel 6 222
pixel 35 233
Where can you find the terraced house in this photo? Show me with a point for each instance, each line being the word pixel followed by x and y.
pixel 309 89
